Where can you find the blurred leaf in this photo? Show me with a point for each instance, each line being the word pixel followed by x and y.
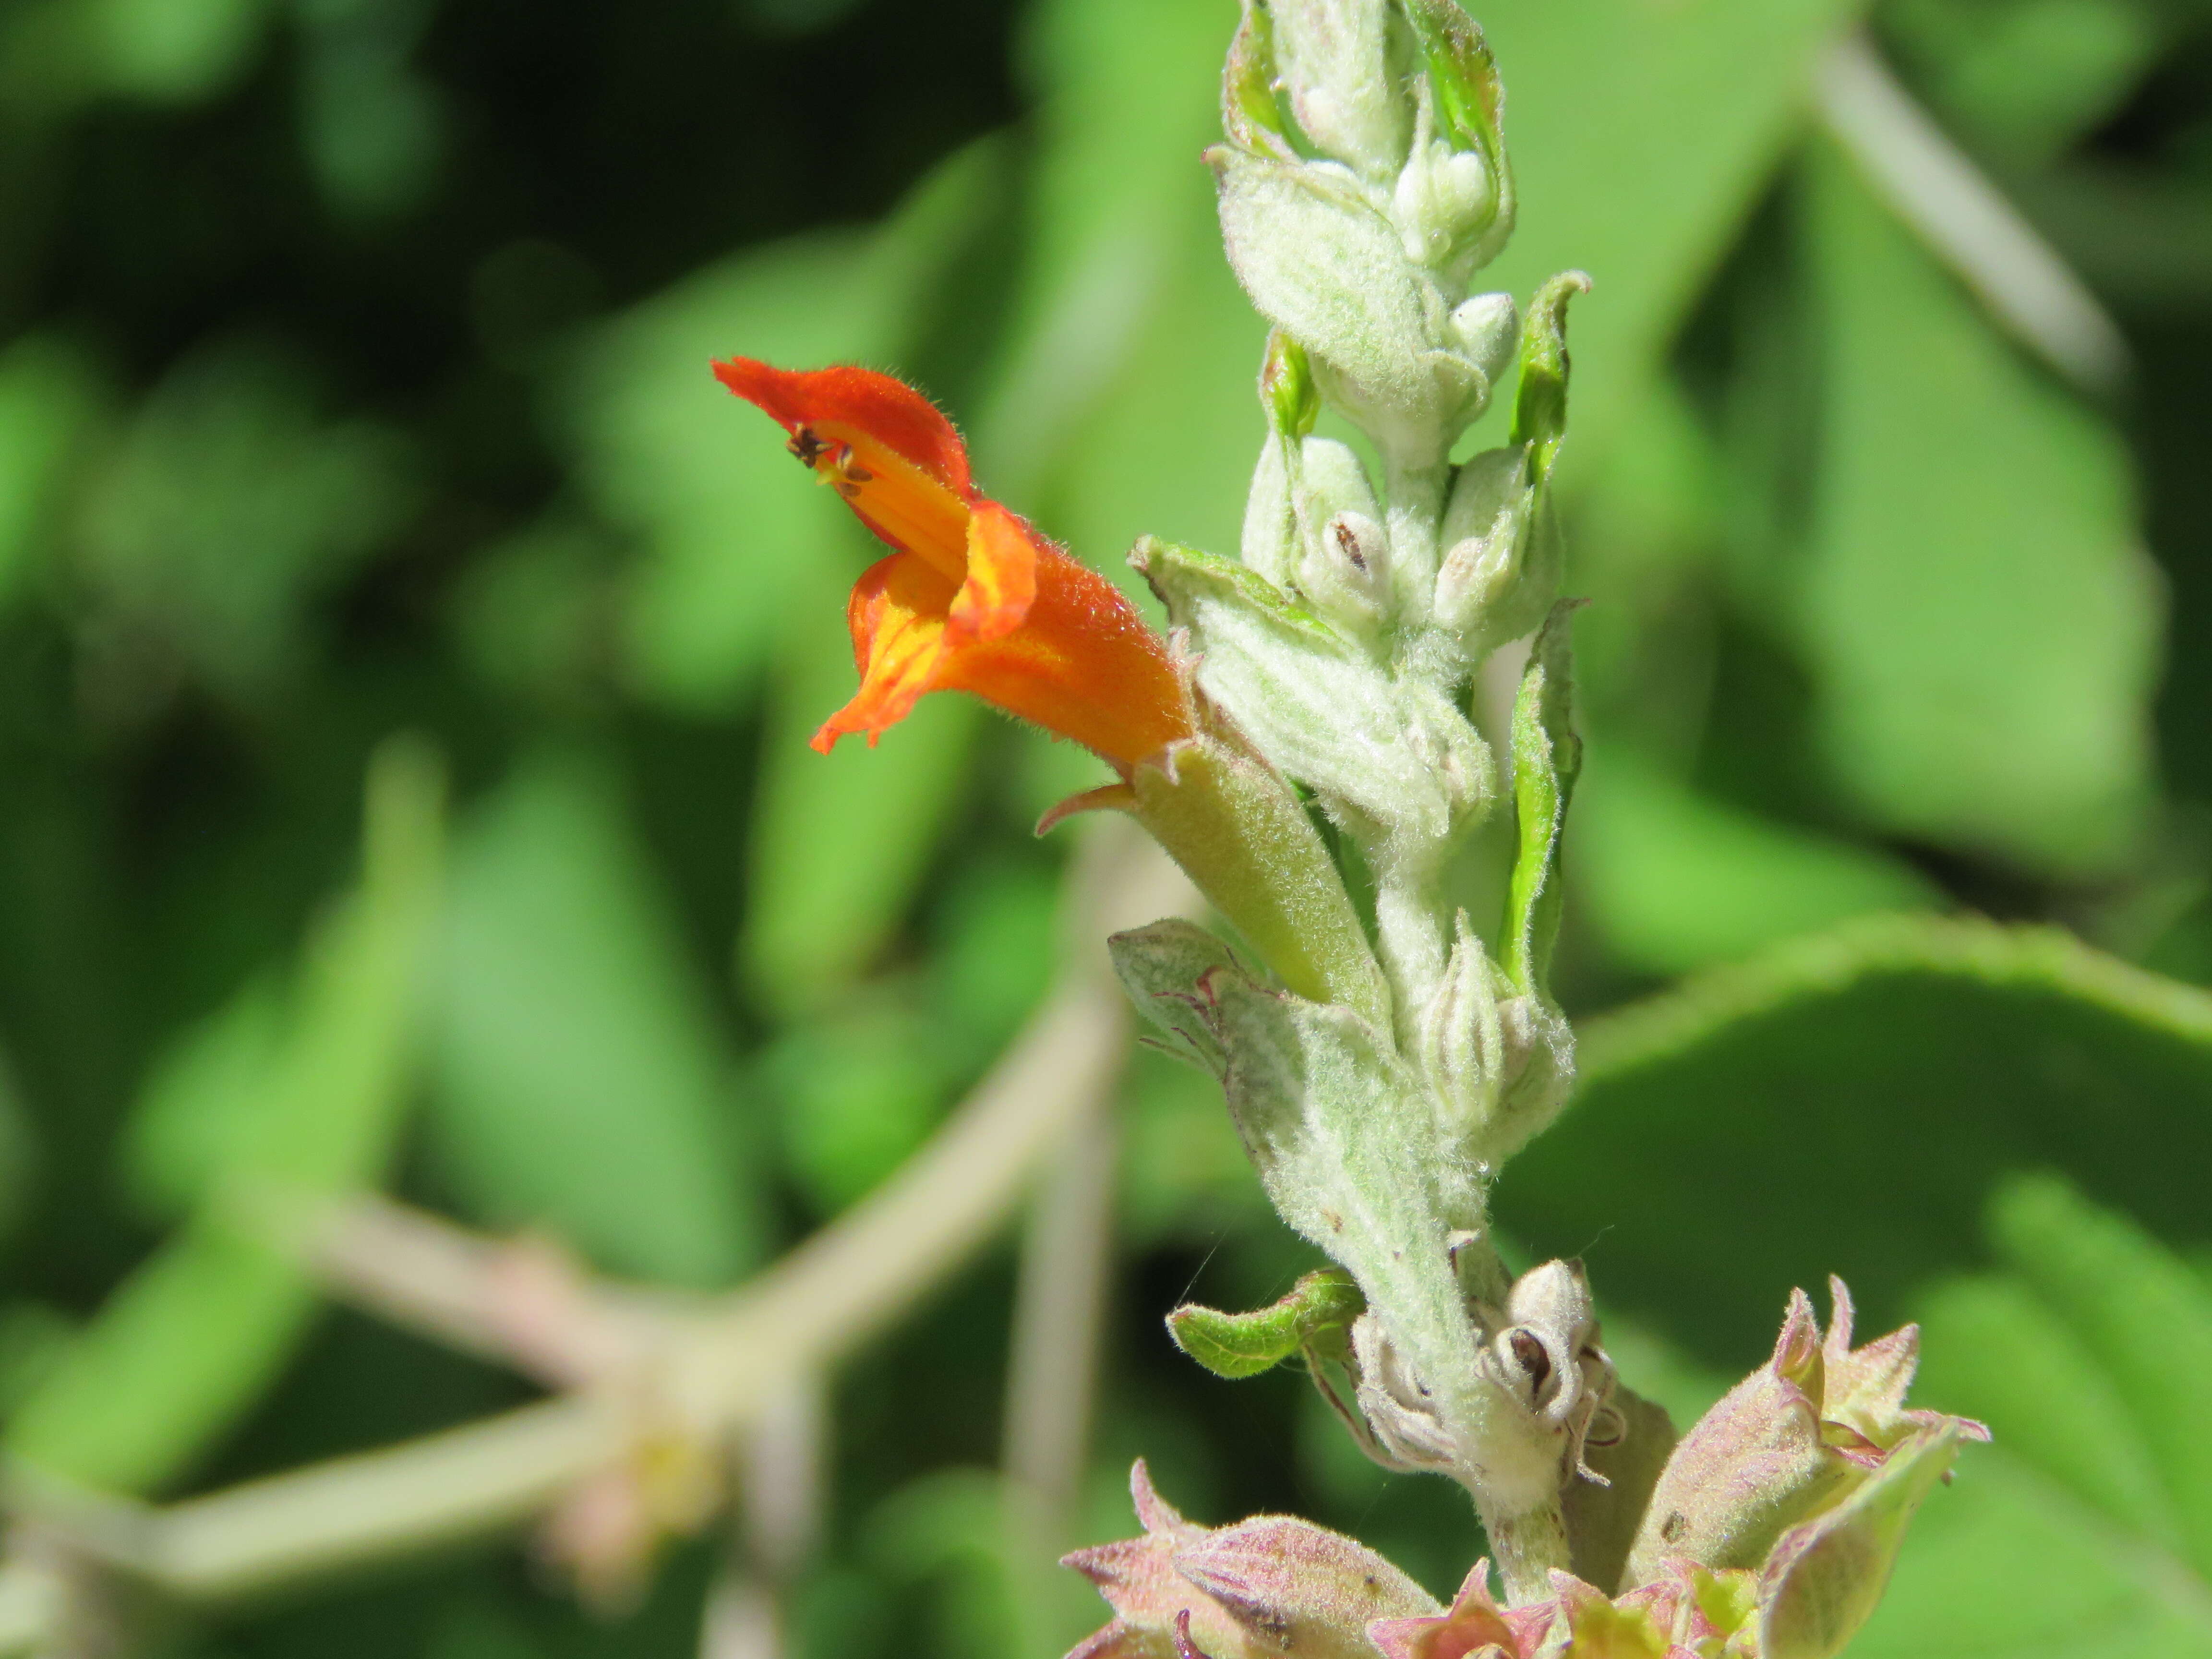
pixel 796 16
pixel 857 1090
pixel 1640 135
pixel 948 1532
pixel 995 942
pixel 228 506
pixel 1184 1176
pixel 735 542
pixel 175 51
pixel 1126 396
pixel 1674 880
pixel 20 1149
pixel 839 842
pixel 2027 77
pixel 33 1337
pixel 1128 369
pixel 480 1627
pixel 204 1100
pixel 55 54
pixel 47 395
pixel 581 1085
pixel 1978 615
pixel 1839 1104
pixel 372 130
pixel 191 1338
pixel 529 614
pixel 2082 1529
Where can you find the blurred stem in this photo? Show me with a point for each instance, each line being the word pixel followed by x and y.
pixel 1415 496
pixel 1966 219
pixel 1053 1366
pixel 713 1371
pixel 777 1470
pixel 1059 1307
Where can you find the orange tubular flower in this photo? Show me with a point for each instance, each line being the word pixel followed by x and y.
pixel 973 599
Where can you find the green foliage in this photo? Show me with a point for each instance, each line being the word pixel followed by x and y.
pixel 580 1081
pixel 1639 138
pixel 353 378
pixel 2079 1352
pixel 1547 757
pixel 1936 1055
pixel 46 399
pixel 191 1339
pixel 1317 1312
pixel 1677 880
pixel 226 506
pixel 1977 612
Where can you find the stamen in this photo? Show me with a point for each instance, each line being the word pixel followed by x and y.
pixel 806 446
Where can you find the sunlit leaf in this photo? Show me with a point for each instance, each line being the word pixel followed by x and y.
pixel 1673 880
pixel 2080 1530
pixel 1839 1103
pixel 2028 78
pixel 1978 613
pixel 1639 136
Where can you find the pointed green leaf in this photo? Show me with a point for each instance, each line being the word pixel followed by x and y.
pixel 1247 1344
pixel 1547 757
pixel 1539 406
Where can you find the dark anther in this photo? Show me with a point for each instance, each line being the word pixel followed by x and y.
pixel 1349 543
pixel 859 474
pixel 805 445
pixel 1673 1525
pixel 1529 1353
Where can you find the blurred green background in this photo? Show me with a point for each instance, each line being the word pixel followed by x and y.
pixel 354 384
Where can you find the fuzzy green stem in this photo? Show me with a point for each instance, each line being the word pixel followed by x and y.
pixel 1409 931
pixel 1527 1547
pixel 1413 490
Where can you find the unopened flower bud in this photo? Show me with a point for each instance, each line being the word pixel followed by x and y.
pixel 1270 544
pixel 1486 327
pixel 1445 199
pixel 1483 591
pixel 1264 1586
pixel 1787 1444
pixel 1334 59
pixel 1344 563
pixel 1287 392
pixel 1324 264
pixel 1460 1042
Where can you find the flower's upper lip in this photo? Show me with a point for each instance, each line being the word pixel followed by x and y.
pixel 891 412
